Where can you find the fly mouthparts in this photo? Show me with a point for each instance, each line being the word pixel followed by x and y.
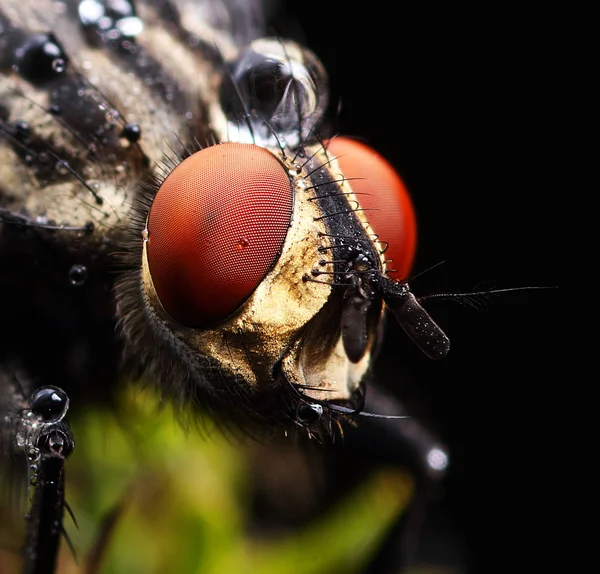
pixel 348 411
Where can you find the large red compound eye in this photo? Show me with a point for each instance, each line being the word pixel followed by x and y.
pixel 385 198
pixel 215 229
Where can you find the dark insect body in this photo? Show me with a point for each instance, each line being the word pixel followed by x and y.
pixel 173 209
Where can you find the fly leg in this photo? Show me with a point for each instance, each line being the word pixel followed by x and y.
pixel 45 518
pixel 36 441
pixel 403 443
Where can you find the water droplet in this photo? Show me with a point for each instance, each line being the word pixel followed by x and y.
pixel 50 404
pixel 130 27
pixel 113 34
pixel 279 83
pixel 59 65
pixel 295 169
pixel 132 132
pixel 241 244
pixel 112 116
pixel 112 18
pixel 118 9
pixel 90 12
pixel 62 167
pixel 40 58
pixel 78 275
pixel 22 130
pixel 33 454
pixel 105 23
pixel 309 413
pixel 129 46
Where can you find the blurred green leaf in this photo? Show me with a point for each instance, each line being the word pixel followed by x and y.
pixel 184 503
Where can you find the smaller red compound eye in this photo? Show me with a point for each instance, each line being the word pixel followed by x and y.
pixel 215 229
pixel 385 198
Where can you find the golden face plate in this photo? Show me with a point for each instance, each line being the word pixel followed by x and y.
pixel 273 339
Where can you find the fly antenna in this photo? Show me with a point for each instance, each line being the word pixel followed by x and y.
pixel 471 298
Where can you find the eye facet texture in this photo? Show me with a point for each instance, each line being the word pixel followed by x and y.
pixel 385 198
pixel 216 227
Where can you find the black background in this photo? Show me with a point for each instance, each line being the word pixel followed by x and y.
pixel 464 104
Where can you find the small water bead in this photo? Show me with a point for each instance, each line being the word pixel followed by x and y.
pixel 241 244
pixel 279 82
pixel 310 413
pixel 112 116
pixel 295 169
pixel 40 58
pixel 59 65
pixel 33 454
pixel 50 404
pixel 132 132
pixel 22 130
pixel 110 18
pixel 78 275
pixel 129 27
pixel 62 167
pixel 90 12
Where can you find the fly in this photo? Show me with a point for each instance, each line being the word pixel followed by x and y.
pixel 172 208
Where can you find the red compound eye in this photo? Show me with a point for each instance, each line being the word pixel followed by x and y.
pixel 390 210
pixel 216 227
